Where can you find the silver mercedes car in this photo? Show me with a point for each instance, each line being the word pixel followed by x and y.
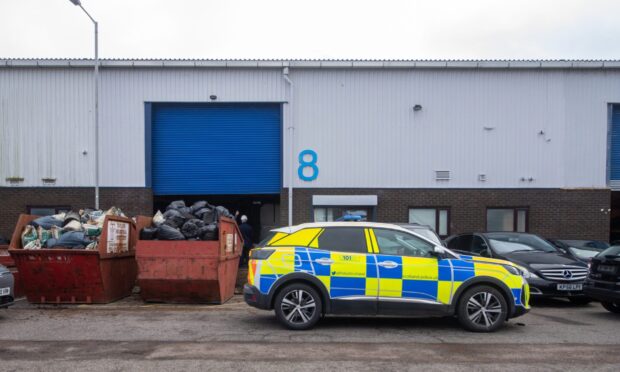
pixel 6 287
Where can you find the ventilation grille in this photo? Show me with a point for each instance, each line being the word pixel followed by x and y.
pixel 442 175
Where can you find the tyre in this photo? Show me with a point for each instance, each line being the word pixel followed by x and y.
pixel 580 301
pixel 613 307
pixel 482 309
pixel 298 306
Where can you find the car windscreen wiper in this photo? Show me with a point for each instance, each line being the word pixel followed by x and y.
pixel 524 250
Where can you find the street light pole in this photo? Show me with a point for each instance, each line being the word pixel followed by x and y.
pixel 78 3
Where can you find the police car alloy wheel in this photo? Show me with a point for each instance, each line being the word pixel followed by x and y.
pixel 298 306
pixel 482 309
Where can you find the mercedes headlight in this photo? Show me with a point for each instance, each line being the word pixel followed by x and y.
pixel 521 271
pixel 513 270
pixel 528 274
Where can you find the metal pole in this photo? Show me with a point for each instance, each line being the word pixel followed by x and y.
pixel 96 115
pixel 96 102
pixel 291 138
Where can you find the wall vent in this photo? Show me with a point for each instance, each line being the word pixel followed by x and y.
pixel 442 175
pixel 14 180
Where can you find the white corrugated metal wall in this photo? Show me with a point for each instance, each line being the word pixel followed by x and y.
pixel 46 120
pixel 359 121
pixel 363 127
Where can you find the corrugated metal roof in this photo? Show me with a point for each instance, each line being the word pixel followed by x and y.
pixel 317 63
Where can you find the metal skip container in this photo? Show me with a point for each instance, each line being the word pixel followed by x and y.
pixel 68 276
pixel 189 271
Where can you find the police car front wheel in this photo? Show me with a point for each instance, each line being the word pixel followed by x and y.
pixel 482 309
pixel 298 306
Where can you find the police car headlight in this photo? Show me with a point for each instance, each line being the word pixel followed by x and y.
pixel 261 254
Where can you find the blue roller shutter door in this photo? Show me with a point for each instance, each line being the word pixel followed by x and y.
pixel 202 149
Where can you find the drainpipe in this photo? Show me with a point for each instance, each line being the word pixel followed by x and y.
pixel 290 128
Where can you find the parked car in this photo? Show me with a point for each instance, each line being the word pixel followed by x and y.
pixel 362 268
pixel 603 282
pixel 583 250
pixel 6 287
pixel 551 273
pixel 424 230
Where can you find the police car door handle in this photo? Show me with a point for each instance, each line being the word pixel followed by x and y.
pixel 324 261
pixel 388 264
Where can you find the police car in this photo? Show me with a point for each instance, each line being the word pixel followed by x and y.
pixel 361 268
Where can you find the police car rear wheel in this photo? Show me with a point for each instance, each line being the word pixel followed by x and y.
pixel 482 309
pixel 298 306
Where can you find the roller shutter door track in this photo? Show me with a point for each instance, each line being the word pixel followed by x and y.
pixel 614 151
pixel 216 149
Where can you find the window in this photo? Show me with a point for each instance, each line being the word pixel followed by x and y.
pixel 461 243
pixel 47 210
pixel 507 219
pixel 402 244
pixel 436 218
pixel 503 243
pixel 343 239
pixel 328 214
pixel 479 246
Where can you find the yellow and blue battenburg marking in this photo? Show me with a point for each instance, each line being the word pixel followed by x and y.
pixel 378 275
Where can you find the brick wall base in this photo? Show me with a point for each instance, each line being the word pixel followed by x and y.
pixel 15 200
pixel 568 214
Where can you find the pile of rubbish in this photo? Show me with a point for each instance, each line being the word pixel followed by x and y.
pixel 70 230
pixel 180 222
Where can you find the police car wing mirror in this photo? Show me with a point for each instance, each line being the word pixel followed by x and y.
pixel 439 251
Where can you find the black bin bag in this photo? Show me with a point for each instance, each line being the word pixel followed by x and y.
pixel 167 232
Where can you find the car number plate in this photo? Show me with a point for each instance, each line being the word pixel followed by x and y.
pixel 608 269
pixel 5 291
pixel 570 287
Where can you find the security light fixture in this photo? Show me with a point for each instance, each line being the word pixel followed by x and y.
pixel 213 97
pixel 417 108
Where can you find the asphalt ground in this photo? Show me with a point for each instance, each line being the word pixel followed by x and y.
pixel 131 335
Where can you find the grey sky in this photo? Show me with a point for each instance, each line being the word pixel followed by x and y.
pixel 388 29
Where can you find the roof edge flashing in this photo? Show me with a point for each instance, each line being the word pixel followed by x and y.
pixel 315 63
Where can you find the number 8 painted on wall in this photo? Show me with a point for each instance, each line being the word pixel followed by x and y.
pixel 308 164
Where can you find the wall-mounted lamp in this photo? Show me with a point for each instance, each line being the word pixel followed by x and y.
pixel 417 108
pixel 213 97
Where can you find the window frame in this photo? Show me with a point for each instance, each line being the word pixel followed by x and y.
pixel 370 218
pixel 331 228
pixel 515 218
pixel 437 209
pixel 374 230
pixel 57 208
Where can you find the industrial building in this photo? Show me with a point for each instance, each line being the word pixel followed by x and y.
pixel 459 145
